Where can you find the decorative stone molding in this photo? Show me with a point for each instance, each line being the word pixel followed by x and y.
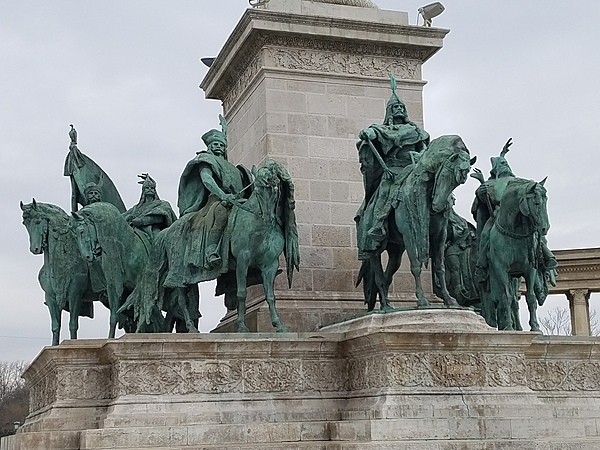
pixel 232 376
pixel 43 392
pixel 343 63
pixel 278 51
pixel 362 3
pixel 563 376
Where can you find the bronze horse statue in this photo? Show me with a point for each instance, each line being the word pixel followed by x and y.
pixel 258 231
pixel 515 251
pixel 107 242
pixel 418 223
pixel 64 277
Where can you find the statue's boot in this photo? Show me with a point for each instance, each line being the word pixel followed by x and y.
pixel 213 259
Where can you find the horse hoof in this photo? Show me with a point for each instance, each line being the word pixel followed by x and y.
pixel 243 329
pixel 386 309
pixel 423 303
pixel 282 329
pixel 451 303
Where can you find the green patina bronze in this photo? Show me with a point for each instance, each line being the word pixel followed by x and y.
pixel 231 229
pixel 151 214
pixel 115 253
pixel 460 256
pixel 512 222
pixel 64 276
pixel 86 176
pixel 408 182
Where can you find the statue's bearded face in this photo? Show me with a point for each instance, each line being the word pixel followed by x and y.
pixel 217 148
pixel 94 196
pixel 149 192
pixel 398 113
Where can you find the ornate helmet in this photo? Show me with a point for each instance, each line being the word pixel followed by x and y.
pixel 394 100
pixel 500 164
pixel 214 135
pixel 146 181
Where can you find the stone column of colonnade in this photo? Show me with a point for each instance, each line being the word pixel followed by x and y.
pixel 298 81
pixel 580 311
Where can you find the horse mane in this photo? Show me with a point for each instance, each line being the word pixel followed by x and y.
pixel 285 211
pixel 111 231
pixel 47 209
pixel 439 149
pixel 57 216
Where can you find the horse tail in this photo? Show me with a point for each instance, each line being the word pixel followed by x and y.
pixel 365 275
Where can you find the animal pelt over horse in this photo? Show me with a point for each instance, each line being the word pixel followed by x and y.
pixel 258 231
pixel 515 250
pixel 64 276
pixel 418 221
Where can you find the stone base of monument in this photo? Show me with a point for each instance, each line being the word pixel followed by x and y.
pixel 422 379
pixel 300 314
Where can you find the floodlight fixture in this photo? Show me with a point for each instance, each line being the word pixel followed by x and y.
pixel 430 11
pixel 258 3
pixel 16 425
pixel 207 61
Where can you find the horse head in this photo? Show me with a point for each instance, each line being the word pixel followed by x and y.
pixel 267 184
pixel 451 172
pixel 533 205
pixel 86 236
pixel 36 223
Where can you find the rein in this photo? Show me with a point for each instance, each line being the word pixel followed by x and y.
pixel 512 234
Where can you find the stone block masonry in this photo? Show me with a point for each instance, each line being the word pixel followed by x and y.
pixel 422 379
pixel 298 82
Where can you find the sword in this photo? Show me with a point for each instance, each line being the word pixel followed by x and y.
pixel 386 169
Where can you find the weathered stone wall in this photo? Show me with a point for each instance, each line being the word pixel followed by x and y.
pixel 298 82
pixel 427 379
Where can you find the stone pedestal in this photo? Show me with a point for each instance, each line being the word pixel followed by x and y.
pixel 422 379
pixel 298 81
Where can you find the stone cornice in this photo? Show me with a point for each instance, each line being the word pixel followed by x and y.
pixel 577 269
pixel 257 28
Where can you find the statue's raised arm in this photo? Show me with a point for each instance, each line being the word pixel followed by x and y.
pixel 82 171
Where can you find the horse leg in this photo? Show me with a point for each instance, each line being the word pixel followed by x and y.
pixel 394 261
pixel 514 310
pixel 379 280
pixel 182 301
pixel 415 269
pixel 268 279
pixel 531 299
pixel 114 303
pixel 437 238
pixel 74 308
pixel 241 272
pixel 55 314
pixel 500 294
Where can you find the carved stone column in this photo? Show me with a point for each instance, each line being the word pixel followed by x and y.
pixel 298 81
pixel 580 311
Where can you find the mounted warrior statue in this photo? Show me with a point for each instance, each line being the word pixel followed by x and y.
pixel 486 209
pixel 230 228
pixel 407 181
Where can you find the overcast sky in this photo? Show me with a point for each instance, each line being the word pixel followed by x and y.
pixel 126 73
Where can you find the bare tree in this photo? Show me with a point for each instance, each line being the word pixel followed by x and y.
pixel 14 396
pixel 557 321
